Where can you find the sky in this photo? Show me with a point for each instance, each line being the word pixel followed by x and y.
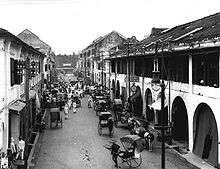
pixel 71 25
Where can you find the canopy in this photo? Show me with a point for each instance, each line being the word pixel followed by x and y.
pixel 139 142
pixel 17 106
pixel 130 138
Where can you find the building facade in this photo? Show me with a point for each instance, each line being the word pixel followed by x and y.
pixel 187 58
pixel 21 72
pixel 93 57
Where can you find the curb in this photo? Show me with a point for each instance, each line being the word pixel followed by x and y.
pixel 180 156
pixel 31 157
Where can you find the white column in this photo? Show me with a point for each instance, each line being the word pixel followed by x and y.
pixel 190 120
pixel 190 74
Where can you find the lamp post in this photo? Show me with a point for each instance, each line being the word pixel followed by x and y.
pixel 156 81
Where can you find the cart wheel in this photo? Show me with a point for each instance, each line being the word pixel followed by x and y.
pixel 134 162
pixel 99 129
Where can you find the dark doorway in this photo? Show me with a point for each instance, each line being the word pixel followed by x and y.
pixel 148 100
pixel 118 90
pixel 113 89
pixel 137 102
pixel 205 134
pixel 180 129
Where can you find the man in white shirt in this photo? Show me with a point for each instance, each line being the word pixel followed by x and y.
pixel 21 146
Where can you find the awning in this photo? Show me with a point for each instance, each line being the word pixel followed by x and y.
pixel 17 106
pixel 157 104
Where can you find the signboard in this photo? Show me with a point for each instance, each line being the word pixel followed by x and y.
pixel 133 78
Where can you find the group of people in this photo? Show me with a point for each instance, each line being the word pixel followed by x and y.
pixel 15 152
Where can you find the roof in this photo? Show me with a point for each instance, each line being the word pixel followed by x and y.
pixel 33 40
pixel 100 39
pixel 5 33
pixel 198 34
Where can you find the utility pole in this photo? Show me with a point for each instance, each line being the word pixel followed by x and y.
pixel 156 81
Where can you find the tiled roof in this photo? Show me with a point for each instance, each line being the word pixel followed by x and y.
pixel 5 33
pixel 192 35
pixel 33 40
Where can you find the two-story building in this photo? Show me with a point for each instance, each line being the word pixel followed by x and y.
pixel 33 40
pixel 21 71
pixel 93 57
pixel 187 58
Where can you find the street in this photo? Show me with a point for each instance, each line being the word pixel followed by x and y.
pixel 78 146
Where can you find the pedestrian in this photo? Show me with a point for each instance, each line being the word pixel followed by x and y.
pixel 4 161
pixel 21 147
pixel 13 148
pixel 90 102
pixel 66 111
pixel 74 107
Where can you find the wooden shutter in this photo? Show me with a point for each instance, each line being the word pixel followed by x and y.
pixel 12 70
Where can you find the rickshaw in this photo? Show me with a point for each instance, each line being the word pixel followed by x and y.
pixel 119 114
pixel 100 106
pixel 56 117
pixel 131 155
pixel 105 121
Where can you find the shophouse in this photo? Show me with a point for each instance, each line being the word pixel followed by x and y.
pixel 187 58
pixel 21 71
pixel 95 65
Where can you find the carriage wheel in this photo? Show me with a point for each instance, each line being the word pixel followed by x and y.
pixel 134 162
pixel 99 129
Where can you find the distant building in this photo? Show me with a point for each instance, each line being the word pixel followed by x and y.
pixel 92 59
pixel 33 40
pixel 66 63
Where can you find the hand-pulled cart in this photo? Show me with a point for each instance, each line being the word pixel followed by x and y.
pixel 56 117
pixel 131 155
pixel 105 121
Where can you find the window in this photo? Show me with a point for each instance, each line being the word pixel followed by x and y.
pixel 113 66
pixel 16 71
pixel 205 70
pixel 12 67
pixel 45 68
pixel 178 68
pixel 138 67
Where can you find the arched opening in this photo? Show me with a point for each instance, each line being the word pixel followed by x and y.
pixel 149 100
pixel 180 128
pixel 113 89
pixel 117 94
pixel 137 102
pixel 205 134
